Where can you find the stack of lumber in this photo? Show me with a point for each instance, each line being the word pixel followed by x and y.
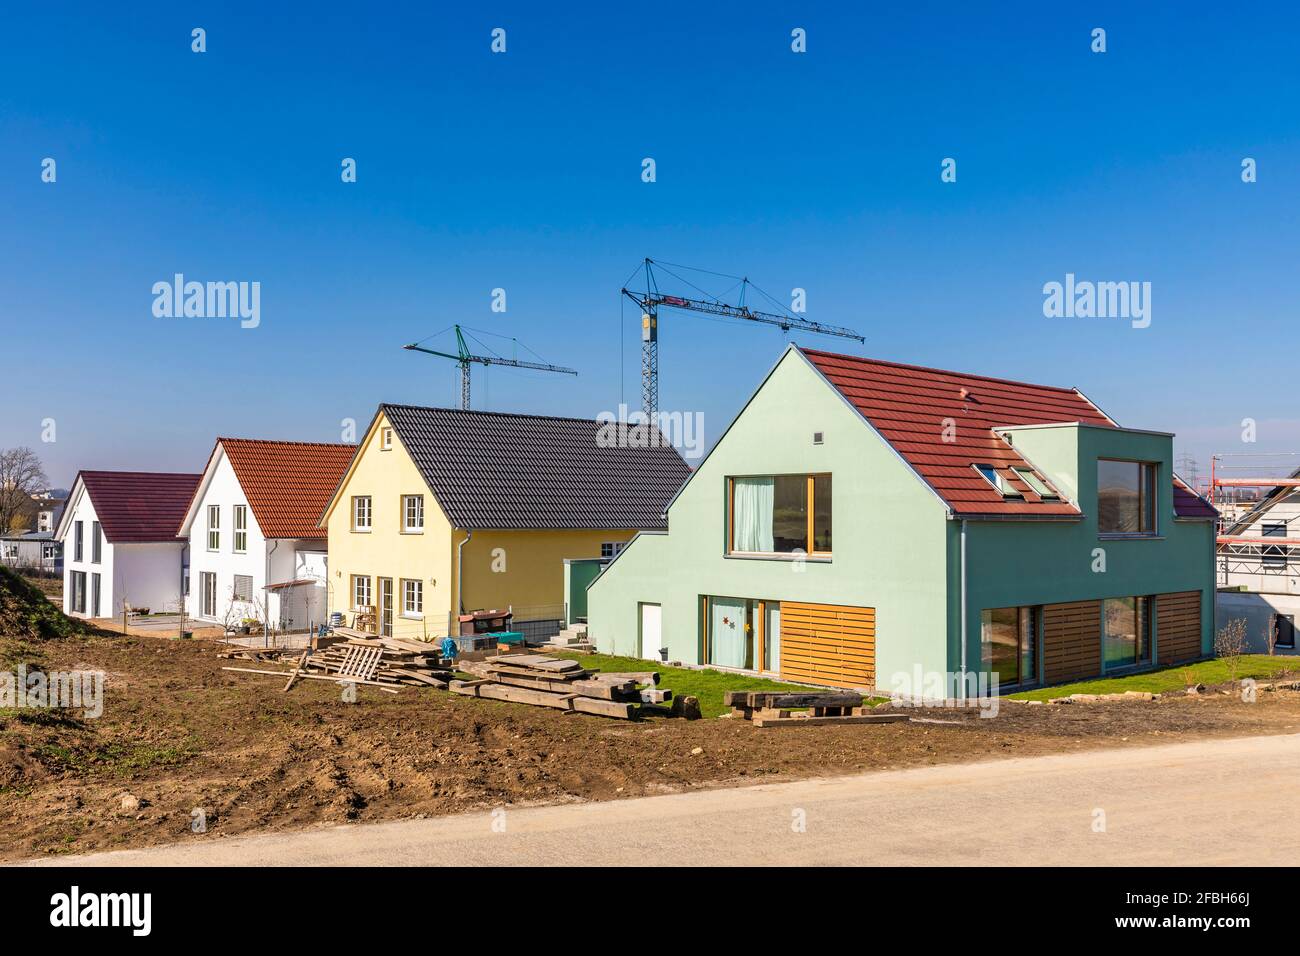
pixel 359 658
pixel 566 685
pixel 819 708
pixel 385 660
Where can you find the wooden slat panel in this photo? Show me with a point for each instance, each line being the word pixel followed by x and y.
pixel 1178 627
pixel 1071 641
pixel 828 644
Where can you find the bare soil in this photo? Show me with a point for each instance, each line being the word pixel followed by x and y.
pixel 180 734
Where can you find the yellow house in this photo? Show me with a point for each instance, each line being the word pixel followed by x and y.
pixel 443 512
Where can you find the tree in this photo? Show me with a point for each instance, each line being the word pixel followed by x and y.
pixel 21 477
pixel 1230 645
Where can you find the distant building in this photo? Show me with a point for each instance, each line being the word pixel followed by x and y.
pixel 35 550
pixel 1259 581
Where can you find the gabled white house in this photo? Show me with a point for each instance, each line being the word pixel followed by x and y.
pixel 1259 581
pixel 120 542
pixel 255 548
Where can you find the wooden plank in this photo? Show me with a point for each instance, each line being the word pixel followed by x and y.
pixel 770 722
pixel 296 671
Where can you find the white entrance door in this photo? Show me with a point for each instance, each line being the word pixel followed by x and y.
pixel 651 630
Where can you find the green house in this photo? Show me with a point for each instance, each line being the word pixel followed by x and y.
pixel 868 524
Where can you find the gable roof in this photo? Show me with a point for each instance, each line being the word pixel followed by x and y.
pixel 496 470
pixel 1274 496
pixel 287 483
pixel 910 405
pixel 136 506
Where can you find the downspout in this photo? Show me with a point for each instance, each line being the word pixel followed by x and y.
pixel 460 607
pixel 266 593
pixel 961 630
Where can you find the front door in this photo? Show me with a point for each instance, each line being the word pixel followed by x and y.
pixel 386 607
pixel 652 629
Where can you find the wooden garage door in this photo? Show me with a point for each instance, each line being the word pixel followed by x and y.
pixel 1178 627
pixel 1071 641
pixel 828 644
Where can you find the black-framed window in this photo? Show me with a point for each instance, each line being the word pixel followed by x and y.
pixel 1274 556
pixel 1126 496
pixel 1284 631
pixel 1126 631
pixel 1009 644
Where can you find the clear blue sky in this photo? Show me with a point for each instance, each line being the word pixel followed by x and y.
pixel 522 171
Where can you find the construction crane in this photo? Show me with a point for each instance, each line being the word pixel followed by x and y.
pixel 650 300
pixel 464 358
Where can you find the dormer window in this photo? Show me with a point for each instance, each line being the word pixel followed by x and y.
pixel 998 481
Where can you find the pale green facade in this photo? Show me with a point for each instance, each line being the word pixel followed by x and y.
pixel 896 548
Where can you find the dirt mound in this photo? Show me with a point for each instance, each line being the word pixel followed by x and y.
pixel 25 611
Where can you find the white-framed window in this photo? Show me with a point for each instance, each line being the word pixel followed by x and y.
pixel 386 439
pixel 609 549
pixel 412 598
pixel 241 529
pixel 361 595
pixel 214 527
pixel 361 513
pixel 243 588
pixel 412 514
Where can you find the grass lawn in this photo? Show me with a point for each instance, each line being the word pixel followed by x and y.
pixel 707 685
pixel 1258 666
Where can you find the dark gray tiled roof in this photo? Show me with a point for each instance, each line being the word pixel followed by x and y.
pixel 498 470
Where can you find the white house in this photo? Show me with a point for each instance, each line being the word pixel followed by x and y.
pixel 120 542
pixel 256 551
pixel 1259 581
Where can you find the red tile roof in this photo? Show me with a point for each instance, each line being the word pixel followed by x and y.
pixel 288 483
pixel 910 405
pixel 139 506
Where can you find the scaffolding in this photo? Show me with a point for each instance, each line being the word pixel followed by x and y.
pixel 1277 549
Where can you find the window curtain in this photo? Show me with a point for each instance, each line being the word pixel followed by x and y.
pixel 727 631
pixel 752 514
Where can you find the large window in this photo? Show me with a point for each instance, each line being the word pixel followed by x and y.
pixel 241 529
pixel 1009 644
pixel 208 584
pixel 214 527
pixel 77 543
pixel 1126 631
pixel 1126 497
pixel 361 513
pixel 78 602
pixel 782 514
pixel 412 514
pixel 96 542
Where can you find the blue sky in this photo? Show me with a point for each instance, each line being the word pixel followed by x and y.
pixel 522 171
